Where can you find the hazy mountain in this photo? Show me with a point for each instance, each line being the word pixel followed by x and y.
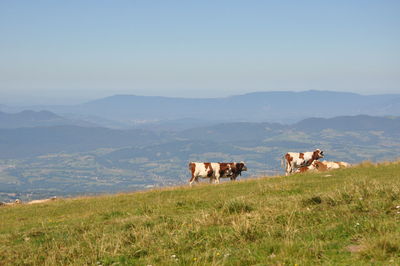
pixel 389 125
pixel 172 149
pixel 97 120
pixel 286 107
pixel 26 142
pixel 232 132
pixel 252 107
pixel 176 125
pixel 30 118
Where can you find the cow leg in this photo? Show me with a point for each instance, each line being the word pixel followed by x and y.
pixel 193 179
pixel 215 180
pixel 292 170
pixel 288 169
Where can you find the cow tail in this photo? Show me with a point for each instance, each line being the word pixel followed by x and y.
pixel 191 167
pixel 283 162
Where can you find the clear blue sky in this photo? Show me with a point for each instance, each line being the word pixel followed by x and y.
pixel 65 51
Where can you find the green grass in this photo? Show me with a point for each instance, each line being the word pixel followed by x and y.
pixel 345 217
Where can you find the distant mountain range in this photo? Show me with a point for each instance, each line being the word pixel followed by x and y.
pixel 33 141
pixel 69 159
pixel 389 125
pixel 28 118
pixel 127 142
pixel 284 107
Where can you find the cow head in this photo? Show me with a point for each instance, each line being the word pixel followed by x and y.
pixel 241 167
pixel 318 154
pixel 320 166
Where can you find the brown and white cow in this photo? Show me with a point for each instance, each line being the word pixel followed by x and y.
pixel 16 202
pixel 215 171
pixel 42 200
pixel 231 170
pixel 323 166
pixel 295 160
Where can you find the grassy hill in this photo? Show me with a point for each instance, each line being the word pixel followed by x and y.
pixel 348 216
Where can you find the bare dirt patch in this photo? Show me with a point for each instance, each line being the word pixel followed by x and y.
pixel 355 248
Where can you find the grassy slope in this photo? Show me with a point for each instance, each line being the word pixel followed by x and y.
pixel 301 219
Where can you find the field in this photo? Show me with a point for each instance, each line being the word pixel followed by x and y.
pixel 343 217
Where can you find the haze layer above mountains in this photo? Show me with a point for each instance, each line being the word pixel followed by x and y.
pixel 122 111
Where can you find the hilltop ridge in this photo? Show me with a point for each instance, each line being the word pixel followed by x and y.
pixel 29 118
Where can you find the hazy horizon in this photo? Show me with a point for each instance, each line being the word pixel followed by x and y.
pixel 81 100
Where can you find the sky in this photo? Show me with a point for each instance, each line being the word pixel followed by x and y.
pixel 60 52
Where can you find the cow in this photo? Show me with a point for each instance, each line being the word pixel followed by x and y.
pixel 327 165
pixel 17 201
pixel 343 164
pixel 308 168
pixel 231 170
pixel 203 170
pixel 42 200
pixel 295 160
pixel 215 171
pixel 322 166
